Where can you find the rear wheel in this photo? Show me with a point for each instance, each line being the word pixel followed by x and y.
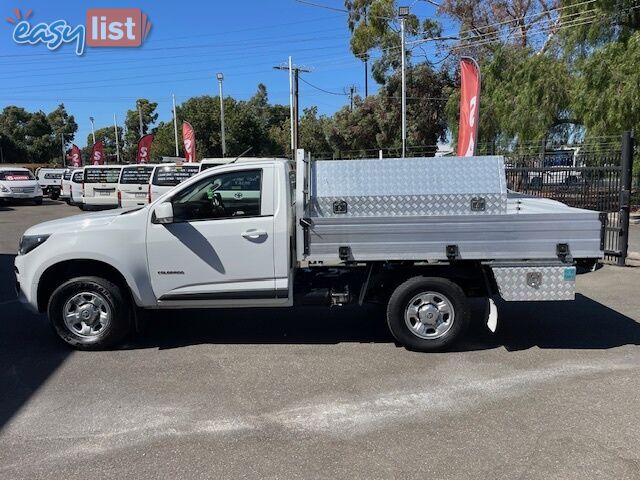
pixel 427 314
pixel 90 313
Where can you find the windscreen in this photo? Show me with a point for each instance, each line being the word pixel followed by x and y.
pixel 172 175
pixel 136 175
pixel 16 175
pixel 101 175
pixel 78 176
pixel 53 175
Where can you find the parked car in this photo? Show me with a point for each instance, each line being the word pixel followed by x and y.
pixel 49 180
pixel 557 169
pixel 76 187
pixel 100 187
pixel 65 184
pixel 167 175
pixel 19 184
pixel 433 234
pixel 133 186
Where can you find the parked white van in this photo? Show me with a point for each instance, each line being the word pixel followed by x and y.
pixel 65 184
pixel 133 187
pixel 168 175
pixel 76 187
pixel 19 184
pixel 100 187
pixel 49 180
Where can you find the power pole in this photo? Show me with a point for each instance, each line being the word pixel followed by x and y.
pixel 175 123
pixel 115 129
pixel 366 63
pixel 352 91
pixel 220 77
pixel 64 156
pixel 93 129
pixel 403 12
pixel 294 73
pixel 140 117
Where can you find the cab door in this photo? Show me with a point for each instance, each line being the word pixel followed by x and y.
pixel 219 248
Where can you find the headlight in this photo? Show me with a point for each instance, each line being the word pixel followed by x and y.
pixel 29 242
pixel 4 189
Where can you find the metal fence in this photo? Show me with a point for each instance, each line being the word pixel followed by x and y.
pixel 595 180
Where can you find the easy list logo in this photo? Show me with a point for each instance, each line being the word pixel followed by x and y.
pixel 105 27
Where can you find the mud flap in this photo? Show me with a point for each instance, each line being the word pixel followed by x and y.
pixel 492 317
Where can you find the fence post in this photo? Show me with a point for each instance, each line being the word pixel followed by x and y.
pixel 625 195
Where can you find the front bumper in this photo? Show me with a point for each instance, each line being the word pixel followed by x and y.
pixel 24 291
pixel 20 196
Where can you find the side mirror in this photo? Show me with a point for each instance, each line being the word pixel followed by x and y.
pixel 164 213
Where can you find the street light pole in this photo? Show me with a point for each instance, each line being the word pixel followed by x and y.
pixel 115 128
pixel 140 117
pixel 220 77
pixel 403 12
pixel 93 130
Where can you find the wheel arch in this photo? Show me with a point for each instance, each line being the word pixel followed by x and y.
pixel 60 272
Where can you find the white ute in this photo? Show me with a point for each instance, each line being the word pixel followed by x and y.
pixel 19 184
pixel 274 233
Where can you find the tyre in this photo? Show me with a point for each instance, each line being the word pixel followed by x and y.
pixel 38 201
pixel 90 313
pixel 427 313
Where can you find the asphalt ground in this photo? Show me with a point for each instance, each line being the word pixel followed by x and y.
pixel 316 393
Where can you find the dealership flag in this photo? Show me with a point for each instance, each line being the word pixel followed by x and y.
pixel 144 148
pixel 469 107
pixel 75 159
pixel 189 141
pixel 97 154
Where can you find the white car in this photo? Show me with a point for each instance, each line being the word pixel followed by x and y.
pixel 49 180
pixel 100 187
pixel 133 187
pixel 167 175
pixel 76 187
pixel 65 184
pixel 19 184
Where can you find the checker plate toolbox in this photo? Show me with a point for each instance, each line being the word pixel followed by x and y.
pixel 439 210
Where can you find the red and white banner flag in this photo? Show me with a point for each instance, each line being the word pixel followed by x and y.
pixel 469 107
pixel 144 148
pixel 189 141
pixel 97 154
pixel 75 159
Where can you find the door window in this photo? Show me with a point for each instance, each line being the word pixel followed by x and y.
pixel 227 195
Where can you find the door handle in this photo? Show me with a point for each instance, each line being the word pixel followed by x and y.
pixel 254 233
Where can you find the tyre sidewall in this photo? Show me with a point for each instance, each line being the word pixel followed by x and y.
pixel 113 333
pixel 408 290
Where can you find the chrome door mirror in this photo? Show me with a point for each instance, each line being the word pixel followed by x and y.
pixel 164 213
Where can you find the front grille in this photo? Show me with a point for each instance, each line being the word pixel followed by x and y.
pixel 23 189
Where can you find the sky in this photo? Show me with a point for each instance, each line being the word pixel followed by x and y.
pixel 189 42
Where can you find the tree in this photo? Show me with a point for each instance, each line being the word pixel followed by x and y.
pixel 108 137
pixel 62 124
pixel 375 25
pixel 132 123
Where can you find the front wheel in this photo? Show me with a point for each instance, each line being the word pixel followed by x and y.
pixel 90 313
pixel 427 313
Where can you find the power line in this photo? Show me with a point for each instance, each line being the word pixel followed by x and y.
pixel 340 94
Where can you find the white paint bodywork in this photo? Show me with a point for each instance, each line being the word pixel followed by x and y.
pixel 234 256
pixel 29 189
